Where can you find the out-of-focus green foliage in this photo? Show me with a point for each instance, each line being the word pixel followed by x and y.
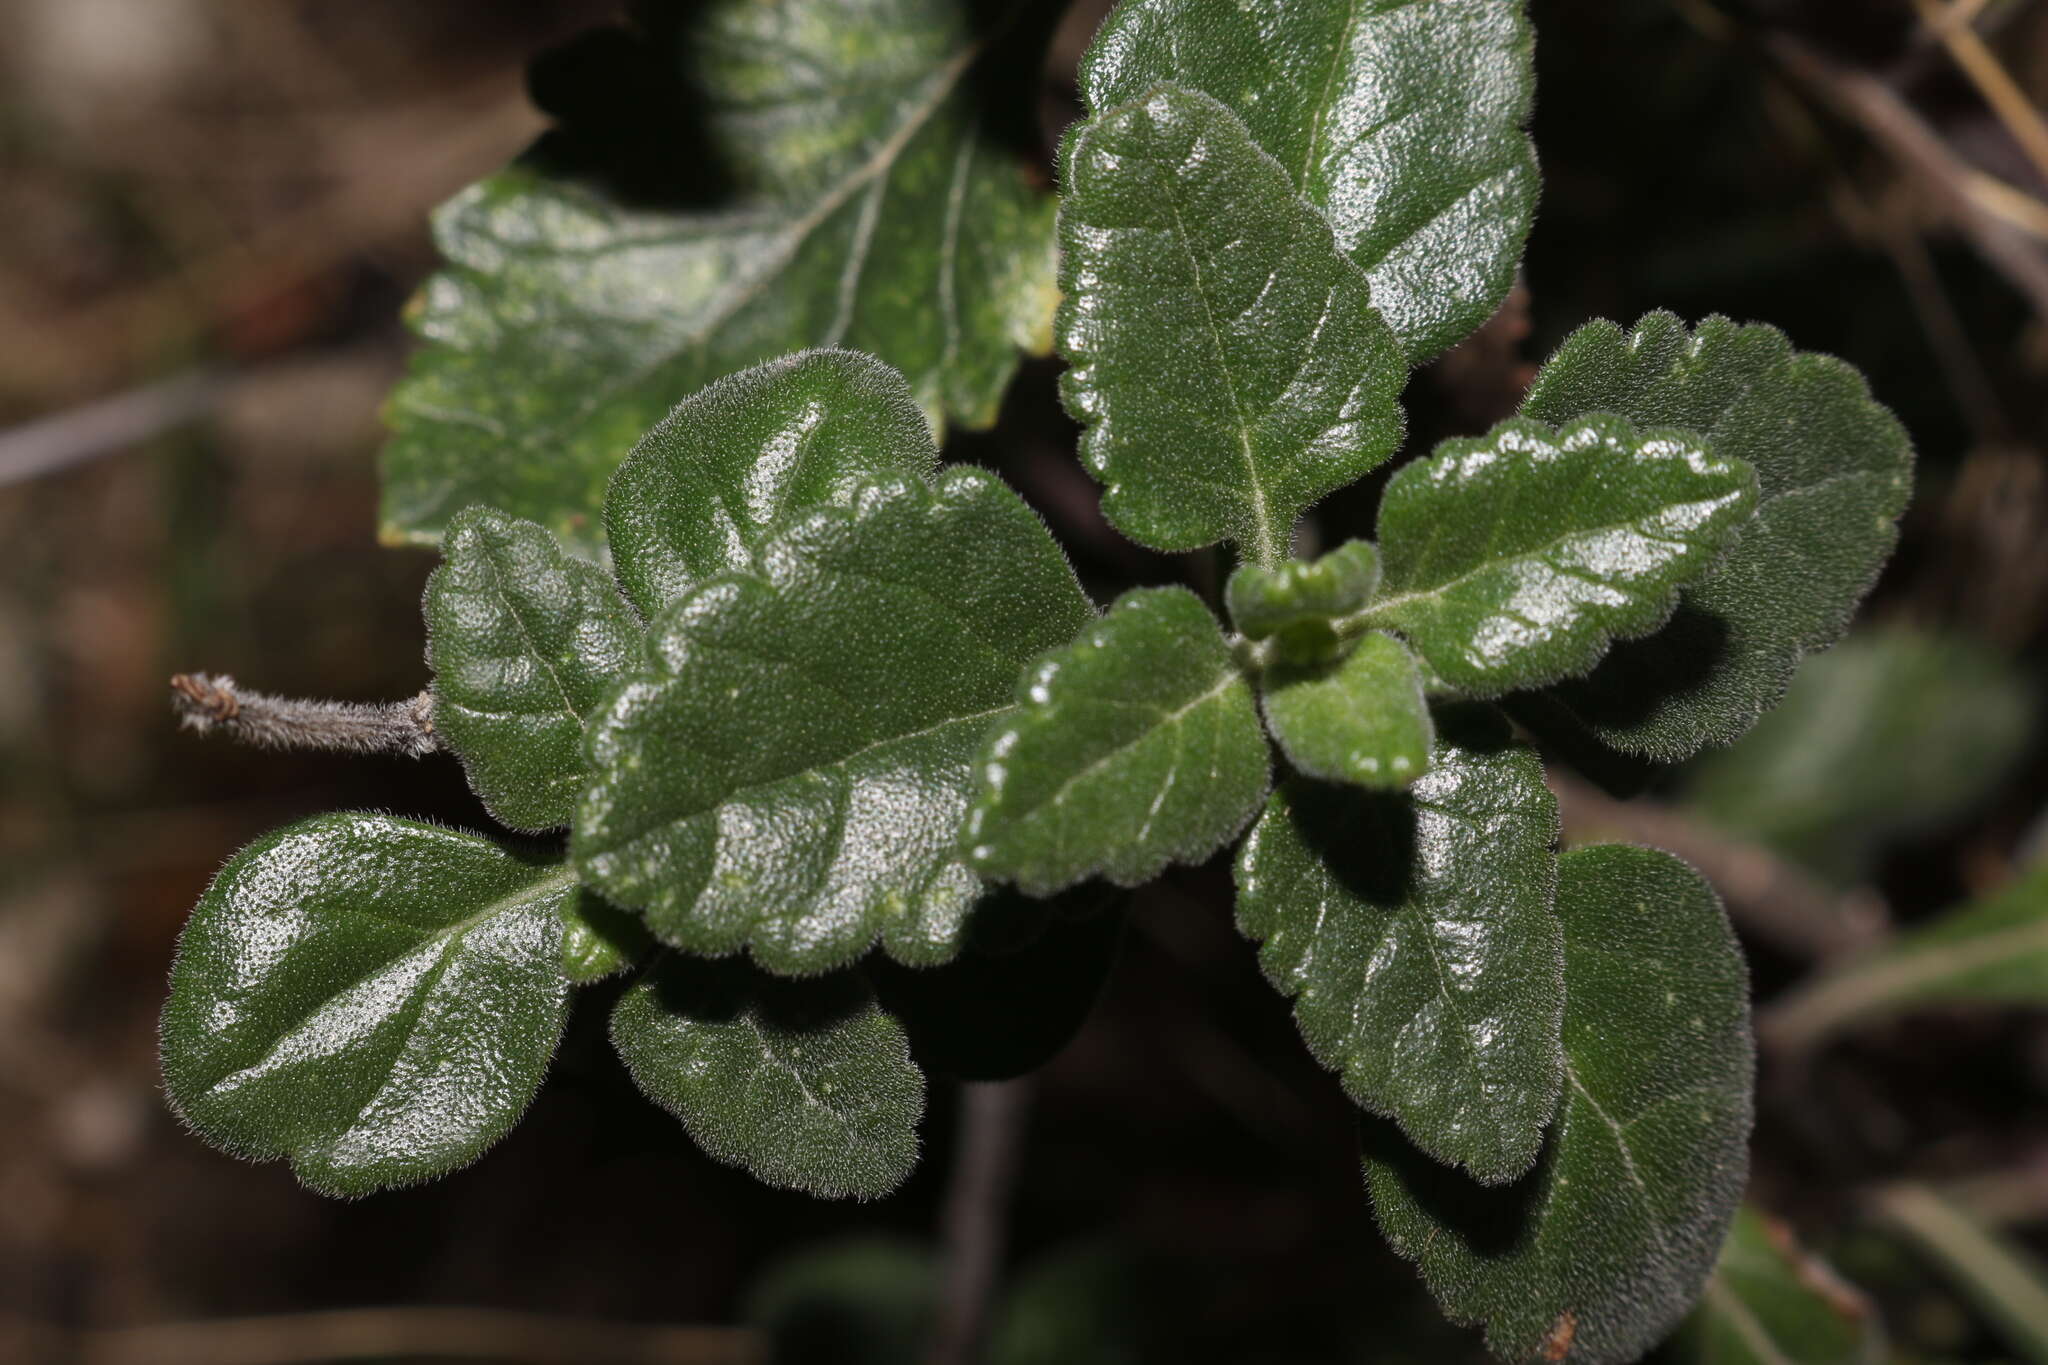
pixel 1772 1302
pixel 1893 732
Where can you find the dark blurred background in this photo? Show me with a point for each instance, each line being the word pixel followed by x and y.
pixel 211 215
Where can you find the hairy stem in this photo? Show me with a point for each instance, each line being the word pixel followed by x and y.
pixel 209 702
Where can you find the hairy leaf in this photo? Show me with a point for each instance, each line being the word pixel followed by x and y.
pixel 524 641
pixel 701 493
pixel 1834 470
pixel 1893 731
pixel 806 1084
pixel 600 940
pixel 1361 719
pixel 1026 982
pixel 1415 934
pixel 1266 602
pixel 1593 1256
pixel 1401 122
pixel 1227 361
pixel 1135 746
pixel 1991 952
pixel 791 772
pixel 375 999
pixel 1515 558
pixel 870 207
pixel 1772 1302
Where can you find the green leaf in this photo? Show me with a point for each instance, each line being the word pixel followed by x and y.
pixel 1361 719
pixel 864 1300
pixel 1597 1253
pixel 1894 731
pixel 805 1084
pixel 1135 746
pixel 1029 977
pixel 599 940
pixel 791 772
pixel 1992 952
pixel 1401 122
pixel 701 493
pixel 524 641
pixel 1301 599
pixel 1772 1302
pixel 1415 935
pixel 375 999
pixel 872 208
pixel 1834 471
pixel 1227 361
pixel 1516 558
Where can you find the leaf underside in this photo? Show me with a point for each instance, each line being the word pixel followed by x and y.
pixel 807 1085
pixel 791 772
pixel 870 208
pixel 1834 471
pixel 1594 1255
pixel 1514 559
pixel 1415 935
pixel 1402 123
pixel 1136 746
pixel 523 641
pixel 375 999
pixel 1226 360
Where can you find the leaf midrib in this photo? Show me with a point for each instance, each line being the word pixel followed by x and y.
pixel 563 876
pixel 793 236
pixel 1373 613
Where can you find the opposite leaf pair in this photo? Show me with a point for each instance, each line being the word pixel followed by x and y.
pixel 781 763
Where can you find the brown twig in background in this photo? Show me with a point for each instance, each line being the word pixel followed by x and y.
pixel 1950 23
pixel 206 702
pixel 95 429
pixel 1774 900
pixel 976 1215
pixel 449 1333
pixel 1889 121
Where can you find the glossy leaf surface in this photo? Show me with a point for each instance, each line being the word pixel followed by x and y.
pixel 1401 122
pixel 1135 746
pixel 805 1084
pixel 868 207
pixel 1415 935
pixel 1772 1302
pixel 1895 731
pixel 1020 990
pixel 701 493
pixel 1834 470
pixel 524 641
pixel 1361 719
pixel 376 1000
pixel 791 773
pixel 1516 558
pixel 1598 1252
pixel 1991 952
pixel 1227 362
